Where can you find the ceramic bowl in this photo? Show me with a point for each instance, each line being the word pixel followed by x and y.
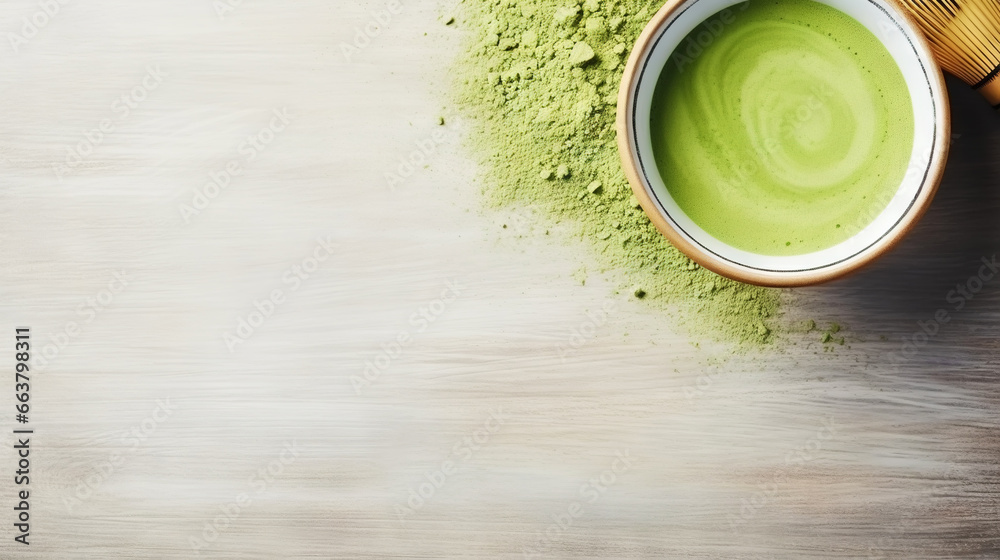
pixel 932 133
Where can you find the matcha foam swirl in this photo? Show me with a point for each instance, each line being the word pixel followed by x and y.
pixel 789 123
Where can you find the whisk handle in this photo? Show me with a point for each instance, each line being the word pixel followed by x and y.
pixel 991 91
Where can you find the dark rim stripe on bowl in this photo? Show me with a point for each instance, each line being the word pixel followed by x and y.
pixel 648 183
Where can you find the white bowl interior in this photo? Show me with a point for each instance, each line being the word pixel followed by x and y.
pixel 897 36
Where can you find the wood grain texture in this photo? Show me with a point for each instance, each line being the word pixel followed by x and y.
pixel 149 430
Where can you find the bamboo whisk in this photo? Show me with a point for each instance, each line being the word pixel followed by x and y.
pixel 965 38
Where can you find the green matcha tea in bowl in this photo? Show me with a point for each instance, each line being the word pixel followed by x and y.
pixel 783 142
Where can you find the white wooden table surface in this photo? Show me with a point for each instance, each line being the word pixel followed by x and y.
pixel 474 438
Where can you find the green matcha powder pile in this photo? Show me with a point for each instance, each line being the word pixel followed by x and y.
pixel 540 81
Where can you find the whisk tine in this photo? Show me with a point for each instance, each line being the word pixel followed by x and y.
pixel 965 38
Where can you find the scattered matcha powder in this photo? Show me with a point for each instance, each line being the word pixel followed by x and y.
pixel 540 80
pixel 829 336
